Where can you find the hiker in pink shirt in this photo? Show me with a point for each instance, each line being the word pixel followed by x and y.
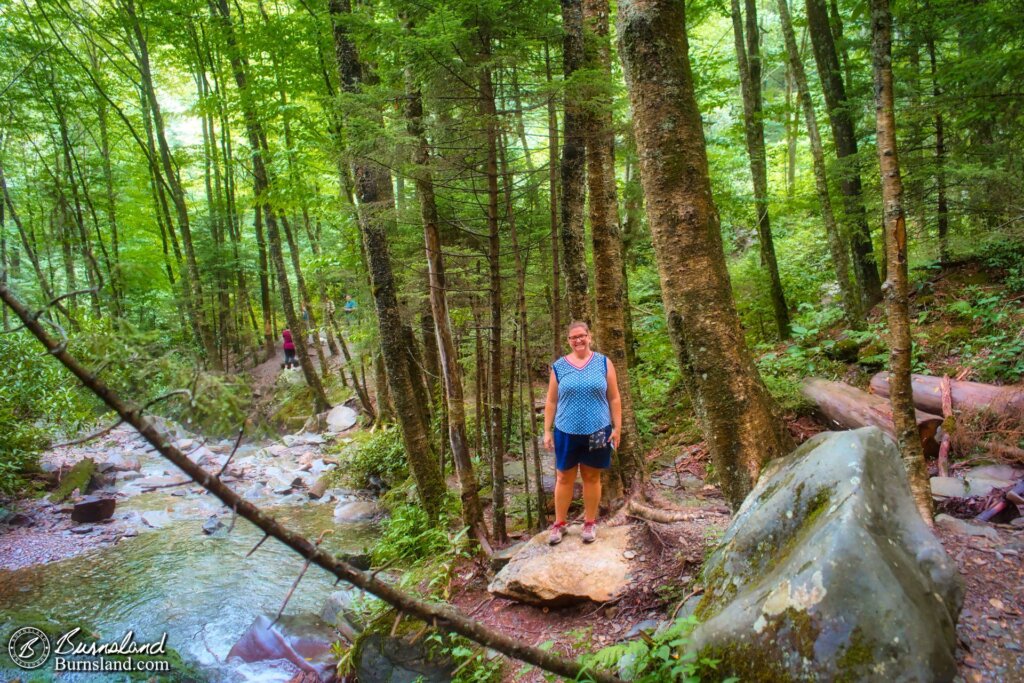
pixel 289 350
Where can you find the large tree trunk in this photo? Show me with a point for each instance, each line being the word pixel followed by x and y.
pixel 606 235
pixel 864 268
pixel 850 408
pixel 748 58
pixel 261 190
pixel 897 306
pixel 836 243
pixel 573 162
pixel 376 219
pixel 736 412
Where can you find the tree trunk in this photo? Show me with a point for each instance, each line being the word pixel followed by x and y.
pixel 553 171
pixel 748 58
pixel 497 441
pixel 942 208
pixel 897 305
pixel 836 243
pixel 864 268
pixel 609 284
pixel 376 219
pixel 736 411
pixel 573 168
pixel 446 352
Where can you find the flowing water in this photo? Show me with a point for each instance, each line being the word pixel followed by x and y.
pixel 201 590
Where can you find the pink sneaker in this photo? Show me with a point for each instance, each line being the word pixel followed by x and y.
pixel 589 534
pixel 557 531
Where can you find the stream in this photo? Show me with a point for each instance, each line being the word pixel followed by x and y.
pixel 200 589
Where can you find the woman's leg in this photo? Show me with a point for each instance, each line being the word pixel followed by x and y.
pixel 564 482
pixel 591 492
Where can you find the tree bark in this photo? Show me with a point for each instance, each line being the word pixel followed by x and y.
pixel 897 305
pixel 748 58
pixel 497 442
pixel 736 412
pixel 553 172
pixel 942 207
pixel 606 236
pixel 376 219
pixel 836 244
pixel 573 168
pixel 838 106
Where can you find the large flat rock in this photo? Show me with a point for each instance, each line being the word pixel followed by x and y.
pixel 569 572
pixel 829 573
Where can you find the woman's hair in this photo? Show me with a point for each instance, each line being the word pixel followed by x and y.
pixel 577 323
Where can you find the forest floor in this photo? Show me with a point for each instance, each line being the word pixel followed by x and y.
pixel 668 561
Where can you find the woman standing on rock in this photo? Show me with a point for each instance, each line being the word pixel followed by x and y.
pixel 585 410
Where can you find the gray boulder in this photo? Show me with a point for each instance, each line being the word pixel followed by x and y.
pixel 829 573
pixel 568 573
pixel 341 418
pixel 355 511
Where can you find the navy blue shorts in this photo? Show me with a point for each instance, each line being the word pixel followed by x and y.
pixel 574 449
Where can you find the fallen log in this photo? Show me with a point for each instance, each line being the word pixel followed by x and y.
pixel 975 396
pixel 850 408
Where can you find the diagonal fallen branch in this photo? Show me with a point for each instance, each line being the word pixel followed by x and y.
pixel 444 616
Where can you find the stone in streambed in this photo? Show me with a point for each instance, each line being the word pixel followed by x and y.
pixel 828 572
pixel 355 511
pixel 385 659
pixel 93 509
pixel 305 642
pixel 567 573
pixel 341 418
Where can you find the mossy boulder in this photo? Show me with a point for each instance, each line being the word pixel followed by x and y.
pixel 844 349
pixel 828 572
pixel 873 355
pixel 78 477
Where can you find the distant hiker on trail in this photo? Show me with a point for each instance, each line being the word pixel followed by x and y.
pixel 584 407
pixel 289 350
pixel 350 305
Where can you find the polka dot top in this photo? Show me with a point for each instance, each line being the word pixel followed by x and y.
pixel 582 395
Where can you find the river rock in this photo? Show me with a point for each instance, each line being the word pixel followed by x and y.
pixel 212 525
pixel 964 528
pixel 569 572
pixel 156 519
pixel 119 462
pixel 355 511
pixel 305 642
pixel 341 418
pixel 828 572
pixel 93 509
pixel 948 487
pixel 342 611
pixel 383 659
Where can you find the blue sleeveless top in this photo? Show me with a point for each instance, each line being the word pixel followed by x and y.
pixel 582 395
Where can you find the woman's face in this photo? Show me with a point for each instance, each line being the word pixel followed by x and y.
pixel 579 339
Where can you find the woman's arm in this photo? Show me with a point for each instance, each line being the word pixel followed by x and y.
pixel 550 406
pixel 615 404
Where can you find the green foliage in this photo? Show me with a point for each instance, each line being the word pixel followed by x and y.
pixel 37 397
pixel 994 347
pixel 408 534
pixel 380 454
pixel 473 663
pixel 657 658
